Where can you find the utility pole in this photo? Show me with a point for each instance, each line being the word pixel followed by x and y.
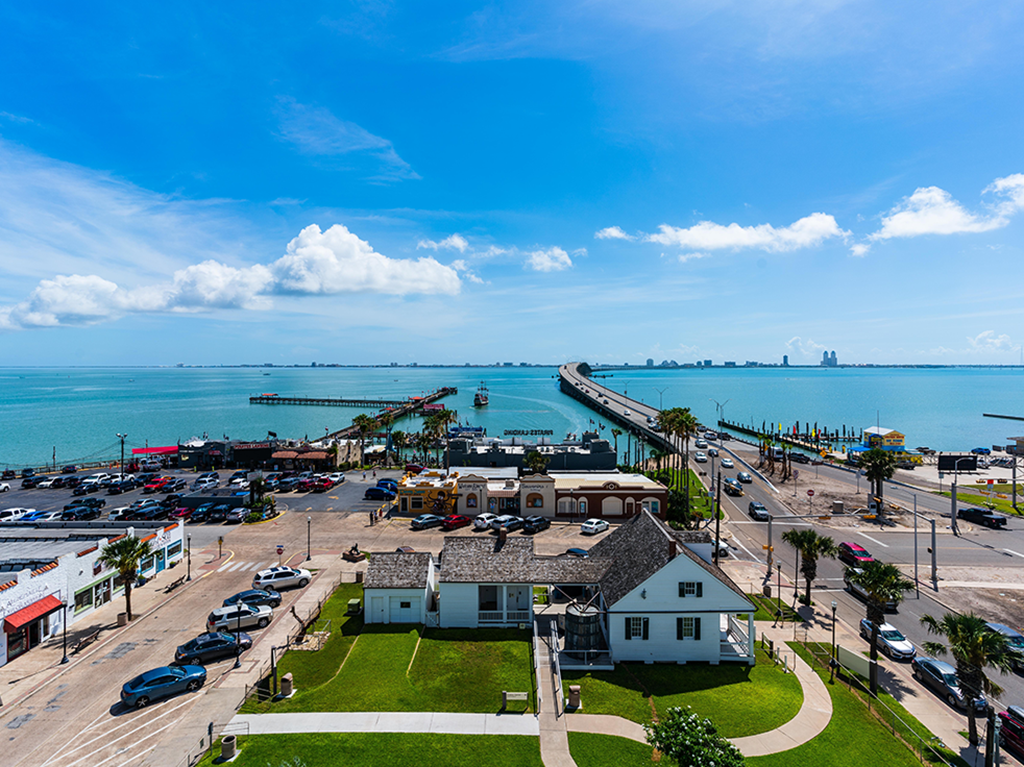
pixel 718 517
pixel 122 437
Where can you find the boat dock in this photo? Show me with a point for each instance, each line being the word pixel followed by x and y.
pixel 275 399
pixel 400 410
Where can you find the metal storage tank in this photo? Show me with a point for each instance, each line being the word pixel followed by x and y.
pixel 582 630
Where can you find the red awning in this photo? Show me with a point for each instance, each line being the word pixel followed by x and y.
pixel 154 450
pixel 44 606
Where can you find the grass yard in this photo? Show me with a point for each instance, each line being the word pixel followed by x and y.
pixel 592 750
pixel 766 609
pixel 382 750
pixel 389 668
pixel 853 738
pixel 740 700
pixel 966 498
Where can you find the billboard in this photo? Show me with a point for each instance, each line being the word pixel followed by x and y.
pixel 958 463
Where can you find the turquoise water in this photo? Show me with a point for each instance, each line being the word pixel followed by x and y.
pixel 79 411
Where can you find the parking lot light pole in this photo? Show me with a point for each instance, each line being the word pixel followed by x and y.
pixel 188 552
pixel 832 665
pixel 238 634
pixel 122 437
pixel 309 525
pixel 64 626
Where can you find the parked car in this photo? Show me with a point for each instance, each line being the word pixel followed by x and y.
pixel 509 521
pixel 322 484
pixel 455 521
pixel 1011 734
pixel 378 494
pixel 236 617
pixel 80 514
pixel 701 444
pixel 156 485
pixel 413 468
pixel 732 487
pixel 483 521
pixel 69 469
pixel 942 679
pixel 337 477
pixel 4 487
pixel 857 590
pixel 161 683
pixel 143 503
pixel 44 483
pixel 120 514
pixel 122 486
pixel 42 516
pixel 255 597
pixel 890 641
pixel 201 512
pixel 27 473
pixel 218 513
pixel 1013 638
pixel 796 457
pixel 92 503
pixel 535 524
pixel 575 552
pixel 982 517
pixel 853 554
pixel 423 521
pixel 237 515
pixel 758 511
pixel 593 526
pixel 389 483
pixel 84 489
pixel 96 479
pixel 181 512
pixel 14 514
pixel 981 451
pixel 212 646
pixel 210 475
pixel 288 484
pixel 29 482
pixel 277 578
pixel 150 513
pixel 727 463
pixel 205 483
pixel 700 457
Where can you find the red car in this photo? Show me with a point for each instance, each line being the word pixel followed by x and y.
pixel 182 512
pixel 455 521
pixel 322 485
pixel 853 554
pixel 306 485
pixel 413 468
pixel 156 485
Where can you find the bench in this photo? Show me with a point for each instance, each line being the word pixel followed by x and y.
pixel 174 584
pixel 506 696
pixel 87 639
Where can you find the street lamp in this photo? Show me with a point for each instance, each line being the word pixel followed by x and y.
pixel 189 554
pixel 238 634
pixel 309 524
pixel 572 507
pixel 122 437
pixel 832 665
pixel 952 514
pixel 64 626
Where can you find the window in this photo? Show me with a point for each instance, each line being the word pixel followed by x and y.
pixel 471 501
pixel 147 564
pixel 688 628
pixel 173 549
pixel 83 599
pixel 583 508
pixel 535 501
pixel 654 508
pixel 691 589
pixel 417 503
pixel 637 627
pixel 404 605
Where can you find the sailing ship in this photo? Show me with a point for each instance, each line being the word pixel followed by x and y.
pixel 480 399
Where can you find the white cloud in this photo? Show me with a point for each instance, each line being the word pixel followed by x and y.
pixel 860 249
pixel 692 256
pixel 451 242
pixel 316 131
pixel 551 260
pixel 931 210
pixel 807 232
pixel 806 349
pixel 988 341
pixel 612 233
pixel 213 285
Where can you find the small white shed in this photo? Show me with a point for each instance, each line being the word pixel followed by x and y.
pixel 399 587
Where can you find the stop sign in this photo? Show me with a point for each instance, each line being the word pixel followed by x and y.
pixel 280 549
pixel 809 494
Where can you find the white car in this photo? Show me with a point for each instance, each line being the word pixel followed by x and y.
pixel 10 515
pixel 49 516
pixel 95 479
pixel 277 578
pixel 120 513
pixel 205 483
pixel 700 444
pixel 47 483
pixel 593 526
pixel 337 477
pixel 241 616
pixel 728 464
pixel 700 457
pixel 483 521
pixel 626 412
pixel 240 482
pixel 4 487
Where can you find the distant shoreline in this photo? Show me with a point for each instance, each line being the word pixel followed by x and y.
pixel 554 366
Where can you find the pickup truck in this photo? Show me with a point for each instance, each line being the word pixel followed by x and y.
pixel 981 517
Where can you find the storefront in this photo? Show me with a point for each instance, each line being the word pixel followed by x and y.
pixel 27 627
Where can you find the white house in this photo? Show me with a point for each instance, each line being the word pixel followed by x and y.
pixel 399 587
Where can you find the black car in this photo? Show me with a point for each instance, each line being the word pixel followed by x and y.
pixel 982 517
pixel 150 513
pixel 32 481
pixel 86 489
pixel 287 485
pixel 536 524
pixel 218 513
pixel 88 503
pixel 72 481
pixel 795 457
pixel 172 501
pixel 145 478
pixel 201 513
pixel 212 646
pixel 28 473
pixel 124 486
pixel 69 469
pixel 255 597
pixel 80 513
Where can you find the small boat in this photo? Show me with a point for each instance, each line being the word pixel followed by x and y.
pixel 481 398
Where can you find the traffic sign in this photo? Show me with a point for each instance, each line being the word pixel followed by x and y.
pixel 796 473
pixel 810 493
pixel 280 549
pixel 766 547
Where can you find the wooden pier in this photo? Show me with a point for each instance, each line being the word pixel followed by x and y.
pixel 402 409
pixel 274 399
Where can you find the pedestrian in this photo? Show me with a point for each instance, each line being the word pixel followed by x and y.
pixel 375 474
pixel 364 476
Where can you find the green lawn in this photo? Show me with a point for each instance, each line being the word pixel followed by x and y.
pixel 383 750
pixel 853 737
pixel 1002 505
pixel 453 670
pixel 766 609
pixel 740 700
pixel 593 750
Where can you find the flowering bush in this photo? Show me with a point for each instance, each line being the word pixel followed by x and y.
pixel 692 741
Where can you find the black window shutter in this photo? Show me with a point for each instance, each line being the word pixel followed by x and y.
pixel 628 628
pixel 646 622
pixel 682 589
pixel 696 629
pixel 679 628
pixel 700 588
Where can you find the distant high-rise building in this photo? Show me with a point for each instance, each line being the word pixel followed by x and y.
pixel 707 363
pixel 833 362
pixel 650 362
pixel 785 360
pixel 824 359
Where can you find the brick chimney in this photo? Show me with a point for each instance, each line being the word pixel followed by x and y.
pixel 673 548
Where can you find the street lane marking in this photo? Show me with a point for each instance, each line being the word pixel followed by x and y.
pixel 224 566
pixel 874 540
pixel 238 566
pixel 1015 553
pixel 749 552
pixel 257 567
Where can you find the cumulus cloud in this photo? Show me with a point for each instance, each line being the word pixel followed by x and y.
pixel 451 242
pixel 807 232
pixel 692 256
pixel 931 210
pixel 315 263
pixel 612 233
pixel 316 131
pixel 551 260
pixel 804 348
pixel 860 249
pixel 989 341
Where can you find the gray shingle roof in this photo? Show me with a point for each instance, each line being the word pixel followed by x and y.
pixel 398 570
pixel 472 559
pixel 641 547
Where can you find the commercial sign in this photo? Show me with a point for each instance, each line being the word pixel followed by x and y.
pixel 252 445
pixel 529 432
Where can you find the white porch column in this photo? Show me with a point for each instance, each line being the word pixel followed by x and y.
pixel 750 638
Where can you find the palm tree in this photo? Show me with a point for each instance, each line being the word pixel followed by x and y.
pixel 686 426
pixel 879 465
pixel 666 422
pixel 973 646
pixel 398 440
pixel 536 462
pixel 443 420
pixel 387 420
pixel 883 584
pixel 124 555
pixel 364 425
pixel 423 441
pixel 811 546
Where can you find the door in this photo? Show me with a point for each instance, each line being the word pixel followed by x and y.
pixel 404 610
pixel 377 610
pixel 160 560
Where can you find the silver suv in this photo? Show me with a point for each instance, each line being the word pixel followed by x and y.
pixel 278 578
pixel 236 617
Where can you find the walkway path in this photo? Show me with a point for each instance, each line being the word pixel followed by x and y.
pixel 554 738
pixel 388 721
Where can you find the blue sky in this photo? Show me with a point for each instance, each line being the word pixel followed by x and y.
pixel 372 182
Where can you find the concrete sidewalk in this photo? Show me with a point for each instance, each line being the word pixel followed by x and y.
pixel 389 721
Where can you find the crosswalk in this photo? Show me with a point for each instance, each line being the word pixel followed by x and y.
pixel 231 567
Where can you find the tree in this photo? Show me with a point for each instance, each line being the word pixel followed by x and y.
pixel 256 489
pixel 879 465
pixel 387 420
pixel 398 440
pixel 444 419
pixel 689 739
pixel 883 583
pixel 973 646
pixel 811 546
pixel 124 555
pixel 364 425
pixel 536 462
pixel 423 441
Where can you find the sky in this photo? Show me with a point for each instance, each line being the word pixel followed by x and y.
pixel 375 182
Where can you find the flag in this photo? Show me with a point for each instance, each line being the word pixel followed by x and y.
pixel 272 434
